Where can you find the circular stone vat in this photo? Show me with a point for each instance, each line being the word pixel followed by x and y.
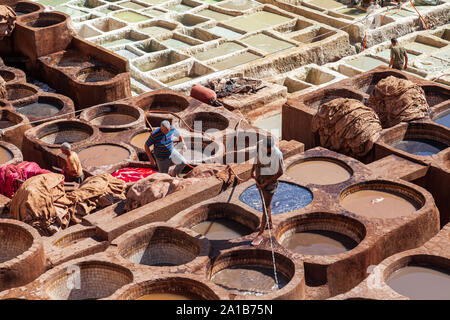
pixel 251 272
pixel 44 107
pixel 170 288
pixel 8 76
pixel 320 234
pixel 73 238
pixel 103 154
pixel 163 102
pixel 221 221
pixel 47 19
pixel 381 199
pixel 139 139
pixel 9 154
pixel 9 118
pixel 57 132
pixel 18 91
pixel 436 95
pixel 96 74
pixel 160 246
pixel 420 147
pixel 287 198
pixel 421 277
pixel 202 121
pixel 114 117
pixel 12 75
pixel 443 118
pixel 320 170
pixel 21 254
pixel 367 83
pixel 23 8
pixel 314 101
pixel 97 280
pixel 5 155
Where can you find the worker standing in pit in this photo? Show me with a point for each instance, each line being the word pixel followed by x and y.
pixel 72 168
pixel 399 58
pixel 266 171
pixel 163 150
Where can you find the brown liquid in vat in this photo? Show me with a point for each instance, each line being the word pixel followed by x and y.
pixel 5 155
pixel 113 119
pixel 140 139
pixel 103 154
pixel 377 204
pixel 221 229
pixel 319 172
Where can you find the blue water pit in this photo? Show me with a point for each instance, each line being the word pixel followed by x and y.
pixel 420 147
pixel 287 198
pixel 443 118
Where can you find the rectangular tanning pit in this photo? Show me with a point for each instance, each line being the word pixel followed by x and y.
pixel 150 46
pixel 179 42
pixel 225 32
pixel 159 60
pixel 89 4
pixel 74 13
pixel 132 5
pixel 108 24
pixel 200 34
pixel 109 9
pixel 125 37
pixel 324 4
pixel 443 34
pixel 424 45
pixel 183 6
pixel 295 85
pixel 190 20
pixel 183 73
pixel 128 53
pixel 267 43
pixel 294 26
pixel 314 35
pixel 215 14
pixel 259 20
pixel 351 13
pixel 86 31
pixel 235 60
pixel 316 77
pixel 218 50
pixel 154 12
pixel 365 63
pixel 386 54
pixel 157 28
pixel 131 16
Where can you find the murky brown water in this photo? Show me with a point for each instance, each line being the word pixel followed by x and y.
pixel 39 109
pixel 319 172
pixel 103 154
pixel 140 139
pixel 113 119
pixel 164 296
pixel 221 229
pixel 377 204
pixel 319 242
pixel 5 155
pixel 421 283
pixel 249 279
pixel 62 136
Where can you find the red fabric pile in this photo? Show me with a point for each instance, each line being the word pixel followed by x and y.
pixel 10 173
pixel 130 174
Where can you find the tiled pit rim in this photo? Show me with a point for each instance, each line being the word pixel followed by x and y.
pixel 27 261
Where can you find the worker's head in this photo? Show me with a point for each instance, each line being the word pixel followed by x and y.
pixel 394 41
pixel 65 148
pixel 165 126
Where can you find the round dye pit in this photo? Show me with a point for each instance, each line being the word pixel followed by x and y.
pixel 139 139
pixel 381 201
pixel 41 108
pixel 160 246
pixel 23 8
pixel 202 121
pixel 7 75
pixel 14 241
pixel 96 74
pixel 113 117
pixel 87 281
pixel 251 272
pixel 435 95
pixel 163 102
pixel 420 147
pixel 17 91
pixel 320 171
pixel 103 154
pixel 5 155
pixel 171 288
pixel 47 19
pixel 421 282
pixel 59 132
pixel 443 118
pixel 221 229
pixel 287 198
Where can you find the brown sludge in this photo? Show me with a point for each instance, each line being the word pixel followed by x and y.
pixel 101 155
pixel 398 100
pixel 5 155
pixel 221 229
pixel 347 126
pixel 321 172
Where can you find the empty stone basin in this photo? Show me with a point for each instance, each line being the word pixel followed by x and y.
pixel 108 24
pixel 381 199
pixel 436 95
pixel 365 63
pixel 251 272
pixel 114 117
pixel 90 4
pixel 60 131
pixel 320 234
pixel 322 171
pixel 96 74
pixel 421 277
pixel 443 118
pixel 22 8
pixel 90 280
pixel 316 77
pixel 314 35
pixel 44 107
pixel 189 20
pixel 151 45
pixel 287 198
pixel 202 121
pixel 267 44
pixel 420 147
pixel 18 91
pixel 160 246
pixel 86 31
pixel 170 288
pixel 103 154
pixel 47 19
pixel 221 221
pixel 315 100
pixel 367 83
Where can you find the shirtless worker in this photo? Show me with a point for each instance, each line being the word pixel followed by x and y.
pixel 269 166
pixel 163 150
pixel 72 167
pixel 399 58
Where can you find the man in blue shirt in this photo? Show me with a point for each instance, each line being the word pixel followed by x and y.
pixel 163 150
